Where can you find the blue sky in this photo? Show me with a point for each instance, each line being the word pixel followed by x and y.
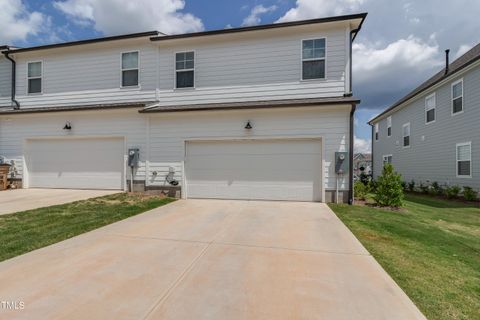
pixel 400 46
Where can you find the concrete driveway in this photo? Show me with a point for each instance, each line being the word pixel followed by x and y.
pixel 206 259
pixel 26 199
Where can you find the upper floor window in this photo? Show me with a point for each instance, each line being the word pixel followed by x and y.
pixel 430 106
pixel 313 59
pixel 457 96
pixel 464 160
pixel 185 69
pixel 406 135
pixel 389 126
pixel 35 77
pixel 376 131
pixel 130 69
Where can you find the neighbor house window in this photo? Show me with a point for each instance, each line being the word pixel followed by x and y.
pixel 389 126
pixel 313 59
pixel 376 131
pixel 430 108
pixel 35 77
pixel 457 97
pixel 387 159
pixel 185 69
pixel 130 69
pixel 406 135
pixel 464 160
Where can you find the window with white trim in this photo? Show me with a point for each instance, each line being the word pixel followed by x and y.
pixel 389 126
pixel 34 77
pixel 406 135
pixel 457 97
pixel 376 131
pixel 387 159
pixel 130 69
pixel 313 59
pixel 464 160
pixel 185 69
pixel 430 106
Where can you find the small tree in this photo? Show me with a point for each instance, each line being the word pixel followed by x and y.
pixel 389 192
pixel 360 190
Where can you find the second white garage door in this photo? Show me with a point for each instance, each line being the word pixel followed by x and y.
pixel 75 163
pixel 255 169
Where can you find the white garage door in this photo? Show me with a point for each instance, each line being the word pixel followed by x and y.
pixel 262 170
pixel 91 163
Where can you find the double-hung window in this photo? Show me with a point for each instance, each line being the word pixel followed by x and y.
pixel 389 126
pixel 313 59
pixel 457 97
pixel 430 105
pixel 376 131
pixel 130 69
pixel 35 77
pixel 406 135
pixel 185 69
pixel 464 160
pixel 387 159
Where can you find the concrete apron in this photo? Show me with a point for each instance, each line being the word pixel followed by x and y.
pixel 208 259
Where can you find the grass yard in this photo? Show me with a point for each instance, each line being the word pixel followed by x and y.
pixel 25 231
pixel 432 250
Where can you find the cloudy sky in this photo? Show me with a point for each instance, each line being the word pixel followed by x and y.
pixel 402 42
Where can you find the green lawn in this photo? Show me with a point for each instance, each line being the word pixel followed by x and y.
pixel 432 250
pixel 22 232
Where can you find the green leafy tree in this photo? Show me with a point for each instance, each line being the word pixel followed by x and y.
pixel 389 191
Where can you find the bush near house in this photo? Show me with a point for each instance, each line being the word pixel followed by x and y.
pixel 452 192
pixel 469 194
pixel 389 190
pixel 360 190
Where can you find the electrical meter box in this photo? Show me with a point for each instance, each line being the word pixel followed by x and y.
pixel 342 162
pixel 133 157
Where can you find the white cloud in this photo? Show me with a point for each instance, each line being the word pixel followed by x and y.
pixel 362 145
pixel 254 17
pixel 310 9
pixel 123 16
pixel 17 22
pixel 462 50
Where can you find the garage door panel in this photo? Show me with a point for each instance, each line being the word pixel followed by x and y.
pixel 265 170
pixel 93 163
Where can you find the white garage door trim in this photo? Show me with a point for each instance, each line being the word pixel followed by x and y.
pixel 25 173
pixel 263 138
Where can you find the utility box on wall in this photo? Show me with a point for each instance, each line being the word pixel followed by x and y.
pixel 342 163
pixel 133 157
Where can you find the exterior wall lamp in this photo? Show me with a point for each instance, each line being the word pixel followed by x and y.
pixel 67 126
pixel 248 126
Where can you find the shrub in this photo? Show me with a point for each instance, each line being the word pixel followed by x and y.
pixel 365 178
pixel 424 188
pixel 469 194
pixel 389 188
pixel 452 192
pixel 404 185
pixel 411 186
pixel 360 190
pixel 436 189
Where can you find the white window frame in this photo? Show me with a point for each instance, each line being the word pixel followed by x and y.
pixel 377 131
pixel 404 136
pixel 129 69
pixel 389 126
pixel 469 143
pixel 387 156
pixel 462 96
pixel 31 78
pixel 313 59
pixel 185 70
pixel 434 108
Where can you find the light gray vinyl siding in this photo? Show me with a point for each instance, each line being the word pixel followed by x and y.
pixel 432 155
pixel 88 75
pixel 5 81
pixel 254 67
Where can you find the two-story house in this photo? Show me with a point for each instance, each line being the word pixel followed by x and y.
pixel 246 113
pixel 432 134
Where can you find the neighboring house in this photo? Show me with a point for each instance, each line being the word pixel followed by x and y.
pixel 247 113
pixel 433 134
pixel 362 161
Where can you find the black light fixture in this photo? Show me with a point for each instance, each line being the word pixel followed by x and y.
pixel 67 126
pixel 248 126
